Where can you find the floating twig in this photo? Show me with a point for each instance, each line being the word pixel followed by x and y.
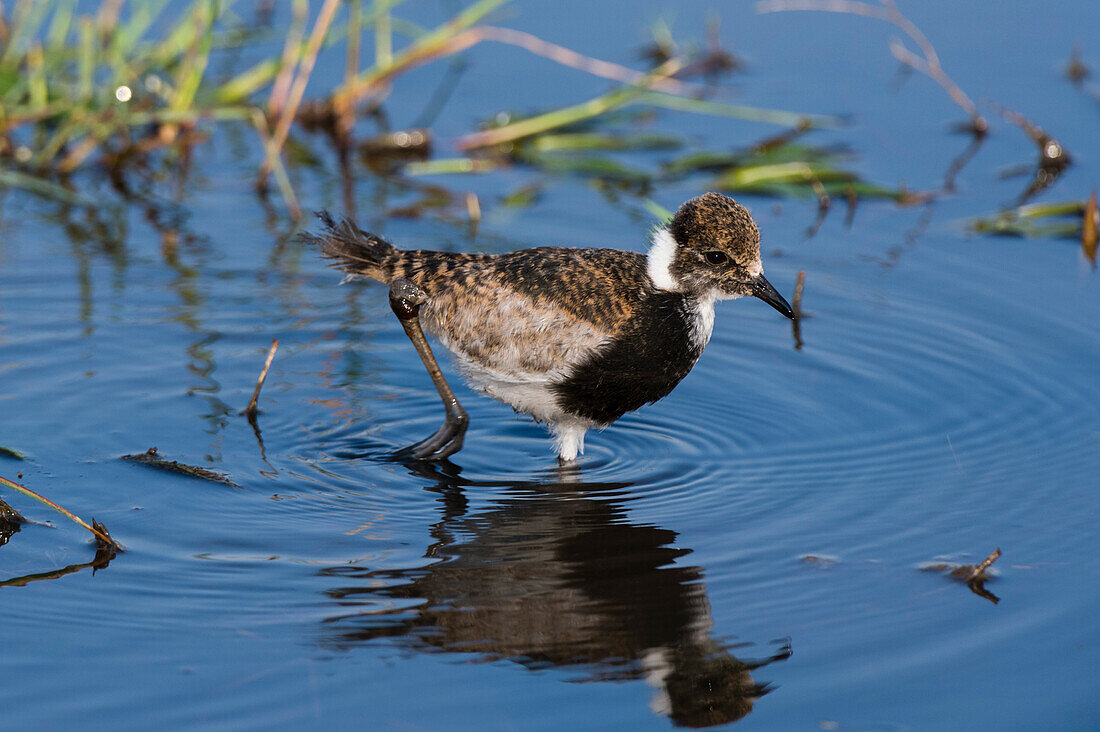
pixel 153 459
pixel 100 533
pixel 978 573
pixel 973 576
pixel 251 409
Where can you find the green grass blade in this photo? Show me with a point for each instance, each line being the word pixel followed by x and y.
pixel 451 166
pixel 58 33
pixel 739 111
pixel 36 78
pixel 570 141
pixel 549 120
pixel 383 34
pixel 244 85
pixel 198 55
pixel 659 212
pixel 27 19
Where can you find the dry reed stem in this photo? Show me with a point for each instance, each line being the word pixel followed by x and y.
pixel 289 61
pixel 107 17
pixel 568 57
pixel 301 79
pixel 251 409
pixel 929 64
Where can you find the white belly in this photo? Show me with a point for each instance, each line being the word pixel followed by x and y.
pixel 526 393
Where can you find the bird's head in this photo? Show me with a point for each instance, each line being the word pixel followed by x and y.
pixel 711 249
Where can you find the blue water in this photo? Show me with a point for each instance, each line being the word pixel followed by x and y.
pixel 750 547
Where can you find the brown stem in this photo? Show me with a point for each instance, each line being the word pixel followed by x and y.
pixel 250 410
pixel 929 64
pixel 979 571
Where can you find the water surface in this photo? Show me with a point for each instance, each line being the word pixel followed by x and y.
pixel 748 548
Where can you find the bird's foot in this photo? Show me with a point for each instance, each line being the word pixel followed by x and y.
pixel 446 441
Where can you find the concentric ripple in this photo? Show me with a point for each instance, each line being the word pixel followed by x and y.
pixel 885 397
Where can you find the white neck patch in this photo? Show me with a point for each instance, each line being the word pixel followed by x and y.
pixel 659 260
pixel 704 320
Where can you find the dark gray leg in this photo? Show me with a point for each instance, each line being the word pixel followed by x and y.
pixel 406 299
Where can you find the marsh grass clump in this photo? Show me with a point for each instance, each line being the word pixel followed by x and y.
pixel 612 151
pixel 122 86
pixel 76 85
pixel 113 85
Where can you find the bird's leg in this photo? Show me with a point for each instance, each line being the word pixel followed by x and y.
pixel 406 299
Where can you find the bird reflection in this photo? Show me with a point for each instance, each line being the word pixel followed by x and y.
pixel 556 576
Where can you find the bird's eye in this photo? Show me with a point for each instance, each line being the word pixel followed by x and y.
pixel 716 257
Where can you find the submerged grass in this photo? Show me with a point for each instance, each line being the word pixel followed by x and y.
pixel 1058 219
pixel 612 152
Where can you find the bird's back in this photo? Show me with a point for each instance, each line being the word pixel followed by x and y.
pixel 530 314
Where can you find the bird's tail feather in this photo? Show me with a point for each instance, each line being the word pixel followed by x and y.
pixel 356 251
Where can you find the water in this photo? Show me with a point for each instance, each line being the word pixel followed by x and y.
pixel 747 548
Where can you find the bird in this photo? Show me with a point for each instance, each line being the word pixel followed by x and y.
pixel 573 337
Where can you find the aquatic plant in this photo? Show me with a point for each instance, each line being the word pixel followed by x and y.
pixel 113 86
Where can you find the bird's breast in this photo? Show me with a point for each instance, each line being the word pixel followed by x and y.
pixel 661 344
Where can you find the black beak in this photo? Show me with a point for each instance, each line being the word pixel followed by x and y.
pixel 763 289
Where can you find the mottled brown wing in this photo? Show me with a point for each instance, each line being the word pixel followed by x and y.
pixel 532 313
